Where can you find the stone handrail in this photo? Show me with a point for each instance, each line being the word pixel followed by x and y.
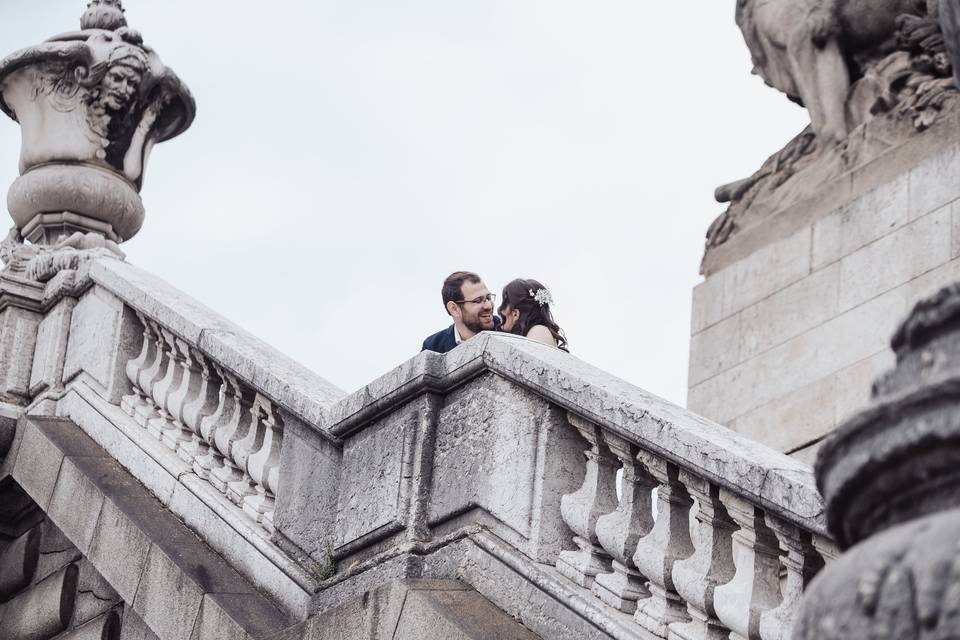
pixel 755 513
pixel 212 393
pixel 642 517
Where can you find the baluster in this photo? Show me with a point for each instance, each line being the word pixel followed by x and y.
pixel 204 404
pixel 802 562
pixel 167 385
pixel 710 566
pixel 826 547
pixel 620 531
pixel 264 468
pixel 244 447
pixel 755 587
pixel 183 394
pixel 668 542
pixel 581 509
pixel 227 435
pixel 137 365
pixel 228 406
pixel 150 376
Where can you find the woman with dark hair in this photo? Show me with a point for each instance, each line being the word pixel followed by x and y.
pixel 525 311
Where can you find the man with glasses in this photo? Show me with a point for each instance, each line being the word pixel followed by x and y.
pixel 470 304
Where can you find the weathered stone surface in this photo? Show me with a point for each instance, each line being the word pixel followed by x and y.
pixel 75 505
pixel 106 627
pixel 457 615
pixel 9 437
pixel 18 563
pixel 48 359
pixel 707 306
pixel 896 258
pixel 488 454
pixel 167 600
pixel 119 550
pixel 133 454
pixel 933 182
pixel 133 628
pixel 828 348
pixel 809 412
pixel 104 336
pixel 567 613
pixel 18 339
pixel 784 315
pixel 369 502
pixel 44 610
pixel 56 551
pixel 243 545
pixel 412 609
pixel 95 597
pixel 37 465
pixel 716 349
pixel 237 617
pixel 767 271
pixel 867 218
pixel 306 515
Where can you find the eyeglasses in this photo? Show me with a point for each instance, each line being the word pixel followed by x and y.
pixel 490 297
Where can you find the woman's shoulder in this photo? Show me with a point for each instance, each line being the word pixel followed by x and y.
pixel 542 333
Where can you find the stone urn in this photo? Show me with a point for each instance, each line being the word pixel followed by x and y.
pixel 91 104
pixel 890 477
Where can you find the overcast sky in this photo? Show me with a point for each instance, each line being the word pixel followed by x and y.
pixel 347 155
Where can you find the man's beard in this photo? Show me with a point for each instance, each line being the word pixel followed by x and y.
pixel 475 326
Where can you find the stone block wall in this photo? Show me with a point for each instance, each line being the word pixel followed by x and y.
pixel 787 338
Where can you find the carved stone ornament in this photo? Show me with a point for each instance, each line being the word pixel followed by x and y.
pixel 890 477
pixel 91 104
pixel 870 74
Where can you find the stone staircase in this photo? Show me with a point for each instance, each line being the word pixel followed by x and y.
pixel 504 490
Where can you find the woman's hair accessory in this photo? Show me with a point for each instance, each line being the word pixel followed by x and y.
pixel 542 296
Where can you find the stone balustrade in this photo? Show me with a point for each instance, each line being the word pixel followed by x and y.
pixel 719 578
pixel 500 459
pixel 228 433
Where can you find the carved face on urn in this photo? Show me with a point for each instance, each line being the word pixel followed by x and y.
pixel 121 84
pixel 114 88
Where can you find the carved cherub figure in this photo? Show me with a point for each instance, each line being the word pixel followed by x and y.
pixel 813 50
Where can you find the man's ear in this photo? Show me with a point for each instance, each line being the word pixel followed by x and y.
pixel 453 309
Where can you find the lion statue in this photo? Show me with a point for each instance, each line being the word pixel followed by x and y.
pixel 814 50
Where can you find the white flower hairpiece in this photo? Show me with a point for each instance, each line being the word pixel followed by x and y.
pixel 542 296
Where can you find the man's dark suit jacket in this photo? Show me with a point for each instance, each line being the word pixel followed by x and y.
pixel 443 341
